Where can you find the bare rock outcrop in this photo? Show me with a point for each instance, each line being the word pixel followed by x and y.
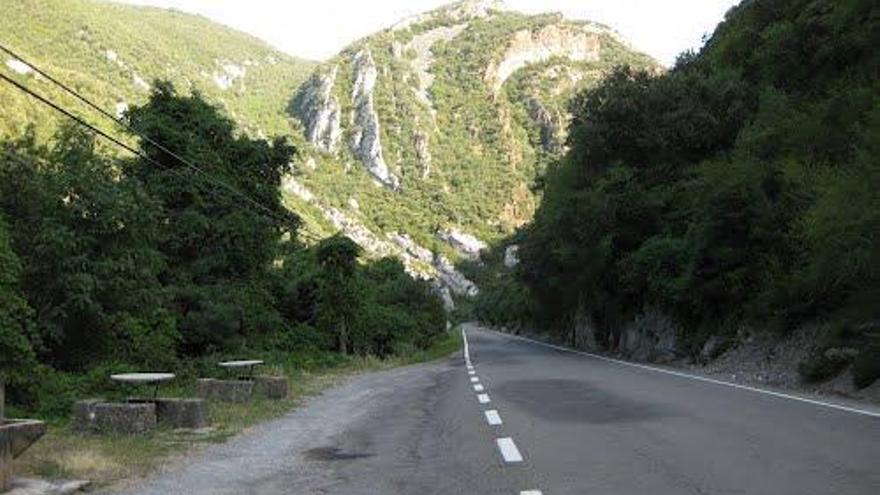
pixel 365 142
pixel 466 244
pixel 547 122
pixel 423 58
pixel 423 153
pixel 319 110
pixel 527 47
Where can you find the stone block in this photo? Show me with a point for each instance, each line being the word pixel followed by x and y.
pixel 83 413
pixel 16 435
pixel 271 387
pixel 225 390
pixel 125 418
pixel 182 413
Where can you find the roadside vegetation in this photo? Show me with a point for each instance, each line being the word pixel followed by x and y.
pixel 112 264
pixel 106 460
pixel 739 187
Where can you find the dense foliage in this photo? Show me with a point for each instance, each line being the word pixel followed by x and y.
pixel 740 186
pixel 186 251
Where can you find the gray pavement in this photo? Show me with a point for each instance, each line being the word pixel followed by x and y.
pixel 582 425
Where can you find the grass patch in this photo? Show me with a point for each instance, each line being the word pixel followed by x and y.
pixel 64 454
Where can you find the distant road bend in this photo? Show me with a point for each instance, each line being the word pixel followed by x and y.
pixel 511 416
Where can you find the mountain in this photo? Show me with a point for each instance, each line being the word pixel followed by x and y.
pixel 423 140
pixel 433 131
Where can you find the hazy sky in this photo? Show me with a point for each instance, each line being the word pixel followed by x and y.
pixel 317 29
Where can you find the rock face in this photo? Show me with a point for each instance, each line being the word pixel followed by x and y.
pixel 423 153
pixel 547 123
pixel 319 110
pixel 467 244
pixel 652 336
pixel 228 74
pixel 423 58
pixel 18 66
pixel 527 47
pixel 365 142
pixel 419 261
pixel 511 256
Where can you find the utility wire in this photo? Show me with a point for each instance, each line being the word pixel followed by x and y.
pixel 79 120
pixel 268 212
pixel 128 128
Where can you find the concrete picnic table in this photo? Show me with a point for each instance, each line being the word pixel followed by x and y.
pixel 250 364
pixel 143 379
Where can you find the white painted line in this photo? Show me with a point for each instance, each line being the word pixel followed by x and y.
pixel 781 395
pixel 467 352
pixel 479 388
pixel 492 417
pixel 508 450
pixel 531 492
pixel 483 398
pixel 474 379
pixel 472 372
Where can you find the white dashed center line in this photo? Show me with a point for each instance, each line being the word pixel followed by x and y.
pixel 492 417
pixel 506 446
pixel 508 450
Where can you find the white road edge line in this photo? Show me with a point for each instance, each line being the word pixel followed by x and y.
pixel 492 417
pixel 680 374
pixel 467 353
pixel 479 388
pixel 484 398
pixel 508 450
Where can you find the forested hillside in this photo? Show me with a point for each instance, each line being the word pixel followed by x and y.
pixel 739 188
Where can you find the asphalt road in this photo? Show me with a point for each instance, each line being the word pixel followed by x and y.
pixel 569 424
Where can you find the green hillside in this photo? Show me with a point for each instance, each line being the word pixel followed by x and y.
pixel 112 53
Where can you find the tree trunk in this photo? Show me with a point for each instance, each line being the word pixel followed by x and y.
pixel 343 339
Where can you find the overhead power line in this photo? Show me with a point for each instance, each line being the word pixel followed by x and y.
pixel 267 211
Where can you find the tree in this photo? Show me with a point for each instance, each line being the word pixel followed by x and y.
pixel 15 315
pixel 222 216
pixel 338 258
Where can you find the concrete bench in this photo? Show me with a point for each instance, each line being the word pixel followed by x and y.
pixel 181 413
pixel 225 390
pixel 271 387
pixel 120 418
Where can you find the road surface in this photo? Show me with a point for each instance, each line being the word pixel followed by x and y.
pixel 532 420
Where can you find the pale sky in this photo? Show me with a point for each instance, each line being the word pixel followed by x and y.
pixel 318 29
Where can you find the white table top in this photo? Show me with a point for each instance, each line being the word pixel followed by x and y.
pixel 240 364
pixel 142 377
